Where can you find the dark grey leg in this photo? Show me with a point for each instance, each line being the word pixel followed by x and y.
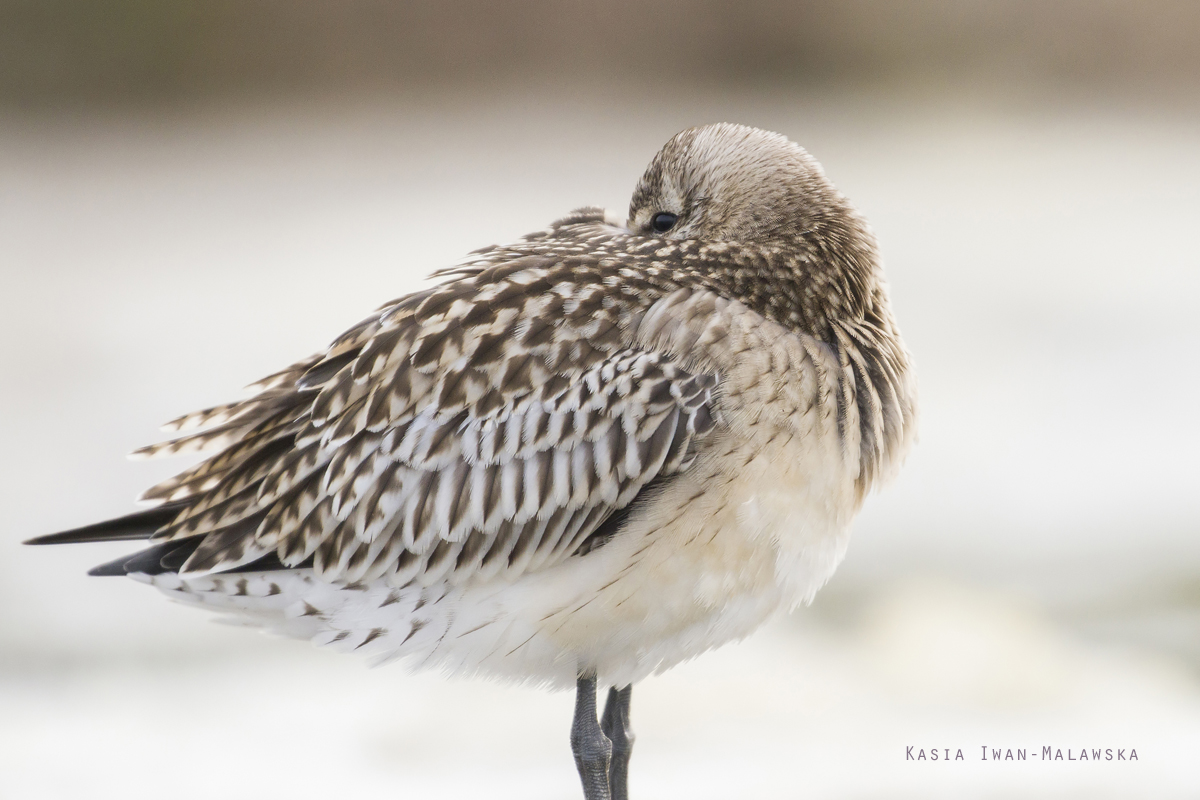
pixel 592 749
pixel 616 727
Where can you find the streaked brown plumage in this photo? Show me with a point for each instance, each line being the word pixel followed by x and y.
pixel 560 418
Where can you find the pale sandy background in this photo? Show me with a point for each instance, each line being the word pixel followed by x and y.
pixel 1031 579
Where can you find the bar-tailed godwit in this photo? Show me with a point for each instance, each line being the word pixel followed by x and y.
pixel 578 460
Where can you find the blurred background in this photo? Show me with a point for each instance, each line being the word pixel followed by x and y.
pixel 194 194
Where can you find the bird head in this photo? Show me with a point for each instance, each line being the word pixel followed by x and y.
pixel 732 183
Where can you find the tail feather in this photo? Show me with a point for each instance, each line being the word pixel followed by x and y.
pixel 159 557
pixel 165 557
pixel 139 525
pixel 168 557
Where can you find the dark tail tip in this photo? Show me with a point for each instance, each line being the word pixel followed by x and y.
pixel 159 558
pixel 139 525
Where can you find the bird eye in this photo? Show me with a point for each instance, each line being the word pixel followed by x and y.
pixel 664 221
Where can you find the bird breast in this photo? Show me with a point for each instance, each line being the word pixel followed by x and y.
pixel 756 525
pixel 783 472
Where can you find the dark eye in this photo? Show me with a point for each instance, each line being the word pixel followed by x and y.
pixel 663 221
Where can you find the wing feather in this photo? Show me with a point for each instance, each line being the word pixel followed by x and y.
pixel 485 427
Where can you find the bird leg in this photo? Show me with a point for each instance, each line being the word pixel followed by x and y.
pixel 615 725
pixel 592 749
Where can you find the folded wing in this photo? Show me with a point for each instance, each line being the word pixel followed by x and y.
pixel 488 426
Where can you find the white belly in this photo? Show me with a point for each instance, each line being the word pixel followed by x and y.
pixel 718 554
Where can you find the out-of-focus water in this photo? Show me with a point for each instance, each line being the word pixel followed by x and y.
pixel 1030 579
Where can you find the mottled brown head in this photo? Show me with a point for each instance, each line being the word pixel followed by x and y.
pixel 732 183
pixel 728 182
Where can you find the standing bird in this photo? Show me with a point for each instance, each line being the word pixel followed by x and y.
pixel 582 458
